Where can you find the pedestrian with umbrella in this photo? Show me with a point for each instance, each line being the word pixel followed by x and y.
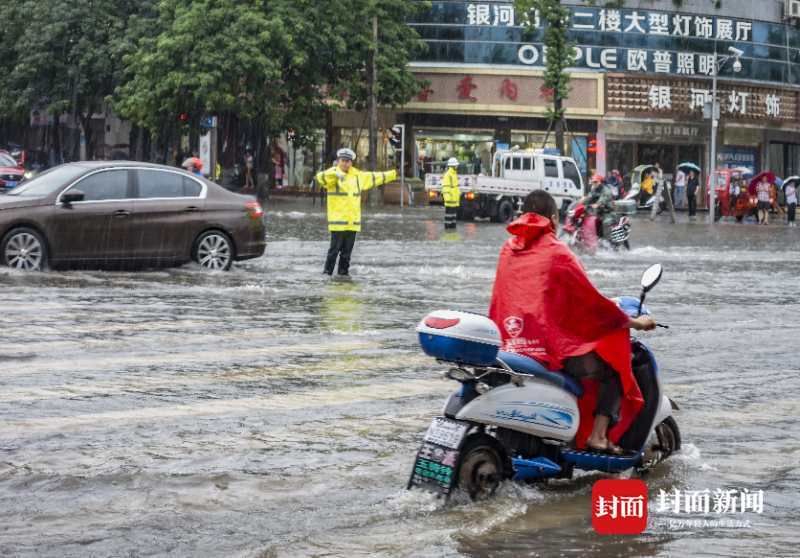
pixel 681 180
pixel 194 165
pixel 790 193
pixel 761 186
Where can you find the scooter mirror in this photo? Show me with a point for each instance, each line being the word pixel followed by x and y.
pixel 651 277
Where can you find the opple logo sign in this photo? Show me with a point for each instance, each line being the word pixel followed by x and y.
pixel 605 58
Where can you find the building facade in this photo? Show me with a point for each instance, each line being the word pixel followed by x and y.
pixel 642 77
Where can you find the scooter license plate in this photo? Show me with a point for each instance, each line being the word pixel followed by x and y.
pixel 445 432
pixel 437 458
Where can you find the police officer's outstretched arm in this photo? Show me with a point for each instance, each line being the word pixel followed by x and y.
pixel 370 179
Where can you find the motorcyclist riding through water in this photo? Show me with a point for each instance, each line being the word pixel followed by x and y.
pixel 600 202
pixel 567 322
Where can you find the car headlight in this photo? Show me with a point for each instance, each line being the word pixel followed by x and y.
pixel 28 175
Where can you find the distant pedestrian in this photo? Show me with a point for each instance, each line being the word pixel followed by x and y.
pixel 451 193
pixel 680 188
pixel 790 191
pixel 344 184
pixel 763 191
pixel 249 172
pixel 615 183
pixel 692 184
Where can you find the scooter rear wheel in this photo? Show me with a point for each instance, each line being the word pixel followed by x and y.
pixel 482 467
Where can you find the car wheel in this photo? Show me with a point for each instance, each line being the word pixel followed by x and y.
pixel 214 251
pixel 24 249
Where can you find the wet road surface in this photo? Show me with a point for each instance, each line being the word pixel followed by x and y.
pixel 271 411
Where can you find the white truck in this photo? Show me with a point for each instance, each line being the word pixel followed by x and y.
pixel 515 174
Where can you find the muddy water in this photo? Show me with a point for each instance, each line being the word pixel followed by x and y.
pixel 272 412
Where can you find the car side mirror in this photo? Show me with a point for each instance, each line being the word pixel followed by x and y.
pixel 72 196
pixel 651 277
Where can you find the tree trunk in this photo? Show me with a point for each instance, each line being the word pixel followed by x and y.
pixel 557 105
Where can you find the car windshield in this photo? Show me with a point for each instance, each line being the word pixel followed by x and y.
pixel 49 181
pixel 7 160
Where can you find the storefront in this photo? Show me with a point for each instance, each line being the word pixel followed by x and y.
pixel 468 113
pixel 654 66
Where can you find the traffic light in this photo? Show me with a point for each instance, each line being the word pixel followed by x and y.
pixel 592 145
pixel 396 136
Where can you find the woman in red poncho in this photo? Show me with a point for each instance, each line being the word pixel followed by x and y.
pixel 547 309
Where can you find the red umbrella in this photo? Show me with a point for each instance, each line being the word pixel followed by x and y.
pixel 193 162
pixel 769 175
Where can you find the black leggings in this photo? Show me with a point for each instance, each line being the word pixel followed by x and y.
pixel 790 212
pixel 592 366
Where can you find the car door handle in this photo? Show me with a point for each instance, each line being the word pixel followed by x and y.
pixel 191 209
pixel 122 213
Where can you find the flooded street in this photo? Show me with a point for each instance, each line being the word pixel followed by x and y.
pixel 271 411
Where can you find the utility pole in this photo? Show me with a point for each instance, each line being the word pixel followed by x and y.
pixel 372 74
pixel 372 78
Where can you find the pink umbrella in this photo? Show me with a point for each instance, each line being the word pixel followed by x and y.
pixel 769 175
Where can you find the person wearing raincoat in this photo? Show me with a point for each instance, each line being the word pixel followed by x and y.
pixel 600 202
pixel 344 184
pixel 451 194
pixel 547 309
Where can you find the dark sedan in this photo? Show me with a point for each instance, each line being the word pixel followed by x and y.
pixel 126 214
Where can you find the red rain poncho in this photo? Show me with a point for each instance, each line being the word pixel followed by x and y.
pixel 547 308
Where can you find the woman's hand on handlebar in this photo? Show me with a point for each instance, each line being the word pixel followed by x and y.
pixel 642 323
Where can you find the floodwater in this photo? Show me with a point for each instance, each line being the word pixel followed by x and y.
pixel 271 411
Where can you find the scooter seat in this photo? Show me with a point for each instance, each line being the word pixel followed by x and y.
pixel 527 365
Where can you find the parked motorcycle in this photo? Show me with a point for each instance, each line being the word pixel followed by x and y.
pixel 583 230
pixel 511 418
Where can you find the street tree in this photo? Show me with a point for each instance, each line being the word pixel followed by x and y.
pixel 62 59
pixel 560 56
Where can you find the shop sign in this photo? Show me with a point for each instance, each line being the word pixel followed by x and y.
pixel 689 97
pixel 610 20
pixel 644 131
pixel 661 24
pixel 732 157
pixel 496 91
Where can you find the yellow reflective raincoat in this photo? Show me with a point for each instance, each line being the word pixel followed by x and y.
pixel 450 191
pixel 344 194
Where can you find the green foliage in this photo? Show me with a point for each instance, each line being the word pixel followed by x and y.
pixel 560 51
pixel 277 63
pixel 61 55
pixel 397 45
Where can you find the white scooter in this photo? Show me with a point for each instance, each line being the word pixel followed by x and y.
pixel 512 418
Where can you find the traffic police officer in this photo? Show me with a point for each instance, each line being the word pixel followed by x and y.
pixel 451 193
pixel 344 184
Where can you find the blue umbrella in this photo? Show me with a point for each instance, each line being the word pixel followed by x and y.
pixel 690 166
pixel 789 180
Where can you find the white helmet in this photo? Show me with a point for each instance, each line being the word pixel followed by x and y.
pixel 452 162
pixel 346 153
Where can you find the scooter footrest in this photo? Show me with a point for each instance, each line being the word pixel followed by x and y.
pixel 596 461
pixel 535 468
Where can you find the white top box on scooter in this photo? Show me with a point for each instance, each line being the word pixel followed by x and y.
pixel 625 207
pixel 459 337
